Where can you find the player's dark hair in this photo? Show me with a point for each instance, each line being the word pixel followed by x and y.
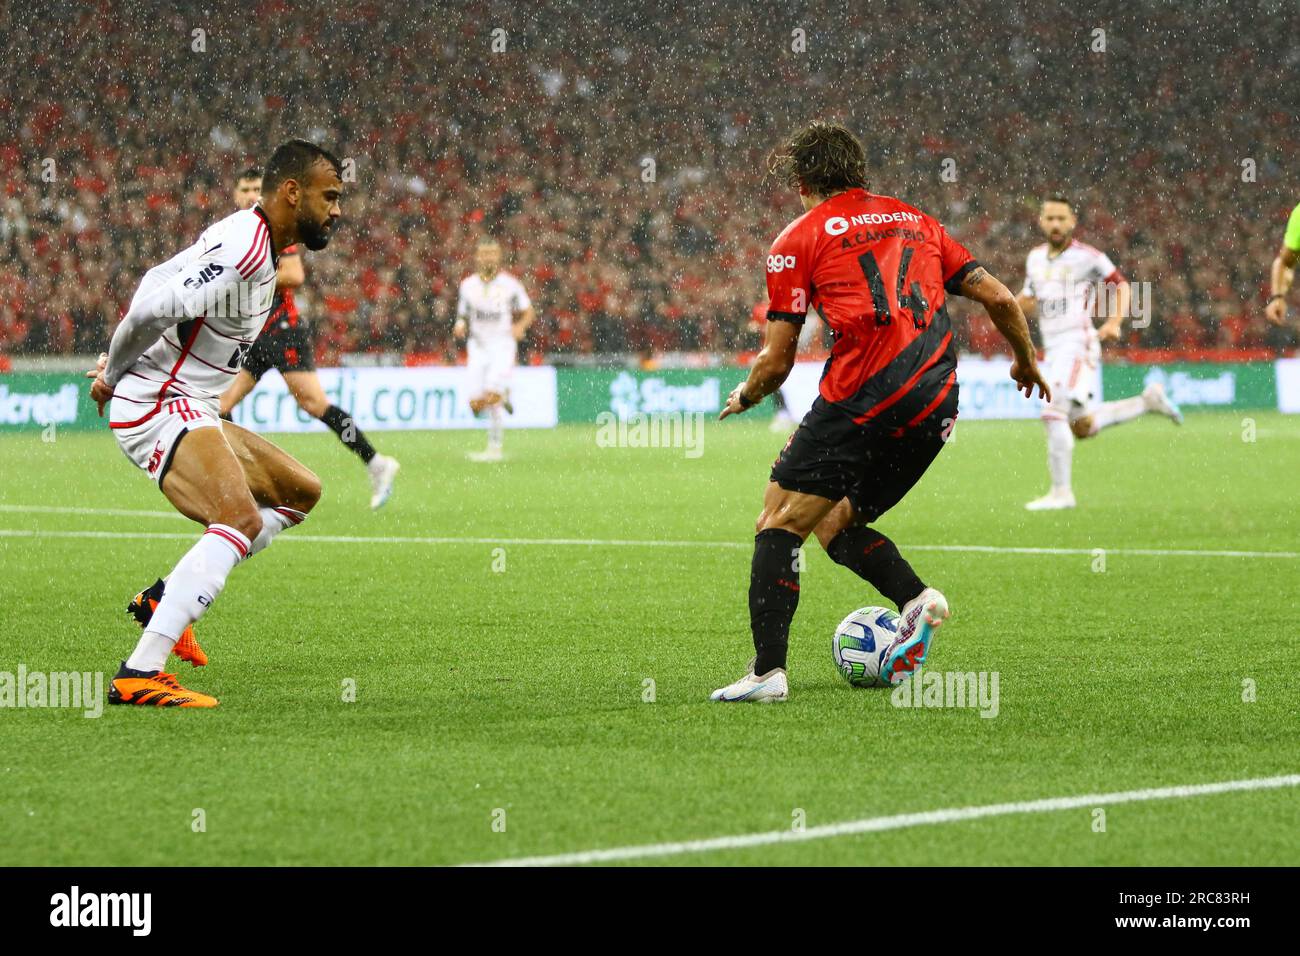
pixel 822 159
pixel 1057 197
pixel 252 172
pixel 294 160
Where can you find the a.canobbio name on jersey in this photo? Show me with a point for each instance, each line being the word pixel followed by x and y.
pixel 214 301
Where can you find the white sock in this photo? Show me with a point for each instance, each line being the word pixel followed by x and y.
pixel 192 586
pixel 1060 452
pixel 1112 413
pixel 274 520
pixel 151 652
pixel 494 426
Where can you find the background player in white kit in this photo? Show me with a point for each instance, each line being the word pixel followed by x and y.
pixel 1064 278
pixel 494 311
pixel 181 341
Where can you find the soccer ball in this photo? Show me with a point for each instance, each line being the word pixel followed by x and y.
pixel 860 642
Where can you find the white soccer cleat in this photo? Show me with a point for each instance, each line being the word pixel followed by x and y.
pixel 1159 402
pixel 771 688
pixel 1052 501
pixel 918 623
pixel 491 453
pixel 383 470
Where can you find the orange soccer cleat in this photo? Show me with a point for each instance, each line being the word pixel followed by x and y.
pixel 142 607
pixel 156 689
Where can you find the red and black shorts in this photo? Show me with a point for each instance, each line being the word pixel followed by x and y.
pixel 875 463
pixel 283 346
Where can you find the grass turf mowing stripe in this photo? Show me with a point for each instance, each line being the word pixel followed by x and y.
pixel 635 543
pixel 897 822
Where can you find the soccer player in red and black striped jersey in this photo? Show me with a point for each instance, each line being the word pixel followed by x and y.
pixel 286 344
pixel 877 270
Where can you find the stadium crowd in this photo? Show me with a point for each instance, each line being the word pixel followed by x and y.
pixel 619 157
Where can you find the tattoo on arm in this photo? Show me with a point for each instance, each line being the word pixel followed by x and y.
pixel 976 277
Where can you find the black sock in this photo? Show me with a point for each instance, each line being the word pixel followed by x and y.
pixel 773 595
pixel 352 436
pixel 125 671
pixel 874 558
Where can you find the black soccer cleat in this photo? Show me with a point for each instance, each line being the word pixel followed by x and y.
pixel 142 607
pixel 143 604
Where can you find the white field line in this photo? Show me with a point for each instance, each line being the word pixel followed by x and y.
pixel 382 540
pixel 116 512
pixel 898 822
pixel 1137 552
pixel 613 542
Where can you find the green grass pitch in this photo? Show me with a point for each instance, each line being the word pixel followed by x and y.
pixel 483 688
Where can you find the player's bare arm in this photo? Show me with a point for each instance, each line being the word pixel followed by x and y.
pixel 289 272
pixel 1112 328
pixel 1281 279
pixel 1028 305
pixel 770 369
pixel 522 320
pixel 460 330
pixel 1006 314
pixel 237 392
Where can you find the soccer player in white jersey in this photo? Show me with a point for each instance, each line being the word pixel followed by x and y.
pixel 288 344
pixel 180 343
pixel 1064 280
pixel 494 312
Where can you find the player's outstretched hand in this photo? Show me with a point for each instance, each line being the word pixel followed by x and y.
pixel 1109 332
pixel 1275 311
pixel 734 406
pixel 1028 377
pixel 100 390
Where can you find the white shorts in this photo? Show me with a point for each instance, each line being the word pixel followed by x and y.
pixel 150 431
pixel 491 365
pixel 1072 374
